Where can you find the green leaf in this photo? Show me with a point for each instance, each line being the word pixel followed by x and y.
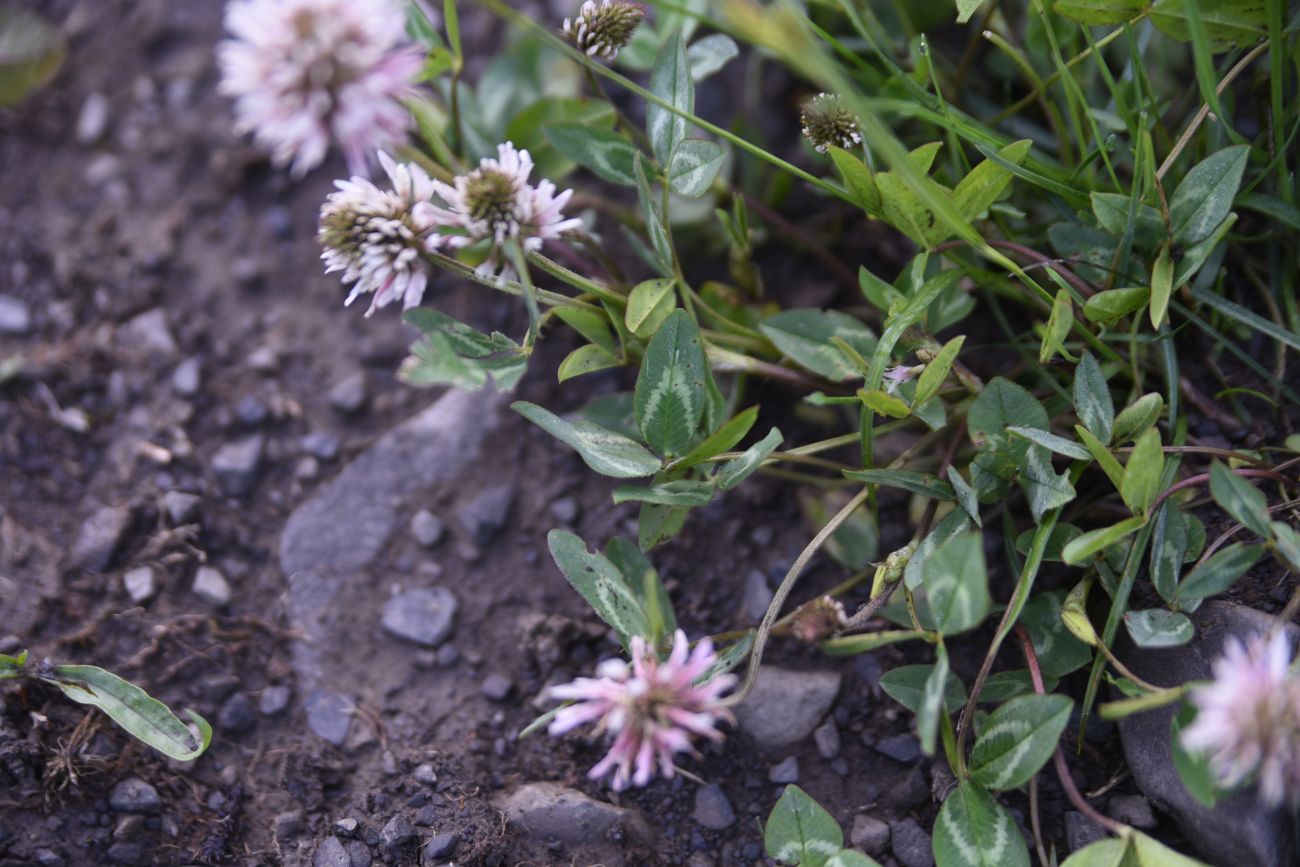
pixel 974 830
pixel 140 714
pixel 1059 652
pixel 1017 739
pixel 1000 405
pixel 684 492
pixel 648 304
pixel 986 183
pixel 1052 442
pixel 1112 209
pixel 1074 614
pixel 936 372
pixel 849 645
pixel 600 583
pixel 799 831
pixel 658 523
pixel 858 180
pixel 1162 286
pixel 906 685
pixel 918 483
pixel 1286 544
pixel 1060 536
pixel 670 392
pixel 1059 325
pixel 451 21
pixel 1142 473
pixel 933 697
pixel 695 164
pixel 734 472
pixel 585 359
pixel 591 324
pixel 1008 684
pixel 1158 627
pixel 884 403
pixel 1193 768
pixel 952 524
pixel 453 353
pixel 1043 486
pixel 805 336
pixel 1092 399
pixel 606 452
pixel 722 439
pixel 670 80
pixel 661 245
pixel 708 55
pixel 967 8
pixel 1204 197
pixel 1094 541
pixel 1100 12
pixel 1168 548
pixel 606 153
pixel 957 584
pixel 1112 305
pixel 1227 23
pixel 966 496
pixel 1217 573
pixel 1134 420
pixel 31 51
pixel 1240 499
pixel 851 858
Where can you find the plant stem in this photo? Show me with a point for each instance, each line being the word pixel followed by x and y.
pixel 1203 478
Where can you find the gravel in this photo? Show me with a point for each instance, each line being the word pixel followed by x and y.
pixel 424 615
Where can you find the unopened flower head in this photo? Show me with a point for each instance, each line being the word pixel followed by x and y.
pixel 651 707
pixel 1248 719
pixel 375 237
pixel 602 27
pixel 304 73
pixel 818 620
pixel 828 122
pixel 495 202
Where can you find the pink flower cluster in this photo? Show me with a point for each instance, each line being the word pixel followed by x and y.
pixel 652 708
pixel 1248 719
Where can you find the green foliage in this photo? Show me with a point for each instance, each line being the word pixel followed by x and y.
pixel 974 830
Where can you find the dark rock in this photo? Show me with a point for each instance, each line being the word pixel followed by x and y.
pixel 237 715
pixel 330 853
pixel 181 508
pixel 900 748
pixel 274 700
pixel 827 739
pixel 427 528
pixel 423 615
pixel 141 584
pixel 785 771
pixel 910 844
pixel 1080 831
pixel 328 715
pixel 211 586
pixel 712 809
pixel 236 464
pixel 134 795
pixel 320 444
pixel 432 447
pixel 550 811
pixel 497 687
pixel 487 512
pixel 439 847
pixel 15 315
pixel 126 853
pixel 786 706
pixel 187 378
pixel 1240 830
pixel 869 834
pixel 100 537
pixel 349 394
pixel 250 411
pixel 1132 810
pixel 397 833
pixel 359 854
pixel 910 792
pixel 287 826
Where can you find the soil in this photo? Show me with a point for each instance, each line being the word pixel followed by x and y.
pixel 167 210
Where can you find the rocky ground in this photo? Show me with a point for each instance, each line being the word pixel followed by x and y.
pixel 211 483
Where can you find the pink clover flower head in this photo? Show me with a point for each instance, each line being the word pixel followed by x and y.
pixel 1248 720
pixel 495 203
pixel 375 237
pixel 304 73
pixel 652 708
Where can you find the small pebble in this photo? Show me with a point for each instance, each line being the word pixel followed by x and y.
pixel 869 834
pixel 237 714
pixel 187 378
pixel 181 508
pixel 565 510
pixel 1133 810
pixel 827 739
pixel 712 809
pixel 497 687
pixel 346 827
pixel 786 771
pixel 427 528
pixel 348 396
pixel 274 700
pixel 211 586
pixel 397 833
pixel 320 444
pixel 134 795
pixel 15 315
pixel 141 584
pixel 92 123
pixel 439 847
pixel 425 774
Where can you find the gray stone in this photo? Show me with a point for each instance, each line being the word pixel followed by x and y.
pixel 131 854
pixel 1240 830
pixel 910 844
pixel 306 469
pixel 187 378
pixel 712 809
pixel 869 834
pixel 349 394
pixel 128 827
pixel 328 715
pixel 15 315
pixel 150 334
pixel 235 466
pixel 484 515
pixel 900 748
pixel 910 792
pixel 786 706
pixel 134 795
pixel 397 833
pixel 141 584
pixel 1080 831
pixel 346 827
pixel 48 858
pixel 237 714
pixel 827 739
pixel 92 122
pixel 430 448
pixel 99 538
pixel 565 510
pixel 755 597
pixel 286 826
pixel 784 771
pixel 250 410
pixel 181 508
pixel 423 615
pixel 497 687
pixel 211 586
pixel 274 700
pixel 549 810
pixel 330 853
pixel 359 854
pixel 427 528
pixel 439 846
pixel 425 774
pixel 263 359
pixel 320 444
pixel 1132 810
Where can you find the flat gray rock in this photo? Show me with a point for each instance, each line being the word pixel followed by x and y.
pixel 349 521
pixel 99 537
pixel 712 809
pixel 1240 830
pixel 869 834
pixel 549 810
pixel 236 464
pixel 786 706
pixel 424 615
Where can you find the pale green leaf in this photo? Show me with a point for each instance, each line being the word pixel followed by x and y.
pixel 140 714
pixel 1017 740
pixel 608 453
pixel 670 392
pixel 600 583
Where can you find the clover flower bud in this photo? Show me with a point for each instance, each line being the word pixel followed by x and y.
pixel 601 28
pixel 827 122
pixel 818 619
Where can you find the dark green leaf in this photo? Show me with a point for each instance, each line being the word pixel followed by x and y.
pixel 670 80
pixel 952 524
pixel 933 697
pixel 1094 541
pixel 1092 399
pixel 600 583
pixel 974 830
pixel 1100 12
pixel 722 439
pixel 1052 442
pixel 1043 486
pixel 918 483
pixel 1134 420
pixel 695 164
pixel 1168 548
pixel 143 716
pixel 1240 499
pixel 1059 652
pixel 1227 23
pixel 606 452
pixel 932 378
pixel 1000 405
pixel 805 336
pixel 1111 305
pixel 684 492
pixel 1158 627
pixel 906 685
pixel 800 832
pixel 670 392
pixel 1017 740
pixel 605 153
pixel 1217 573
pixel 956 583
pixel 1111 210
pixel 1204 197
pixel 966 496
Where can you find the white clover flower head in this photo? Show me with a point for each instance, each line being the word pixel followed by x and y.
pixel 652 708
pixel 495 203
pixel 375 237
pixel 602 27
pixel 1248 719
pixel 304 73
pixel 828 122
